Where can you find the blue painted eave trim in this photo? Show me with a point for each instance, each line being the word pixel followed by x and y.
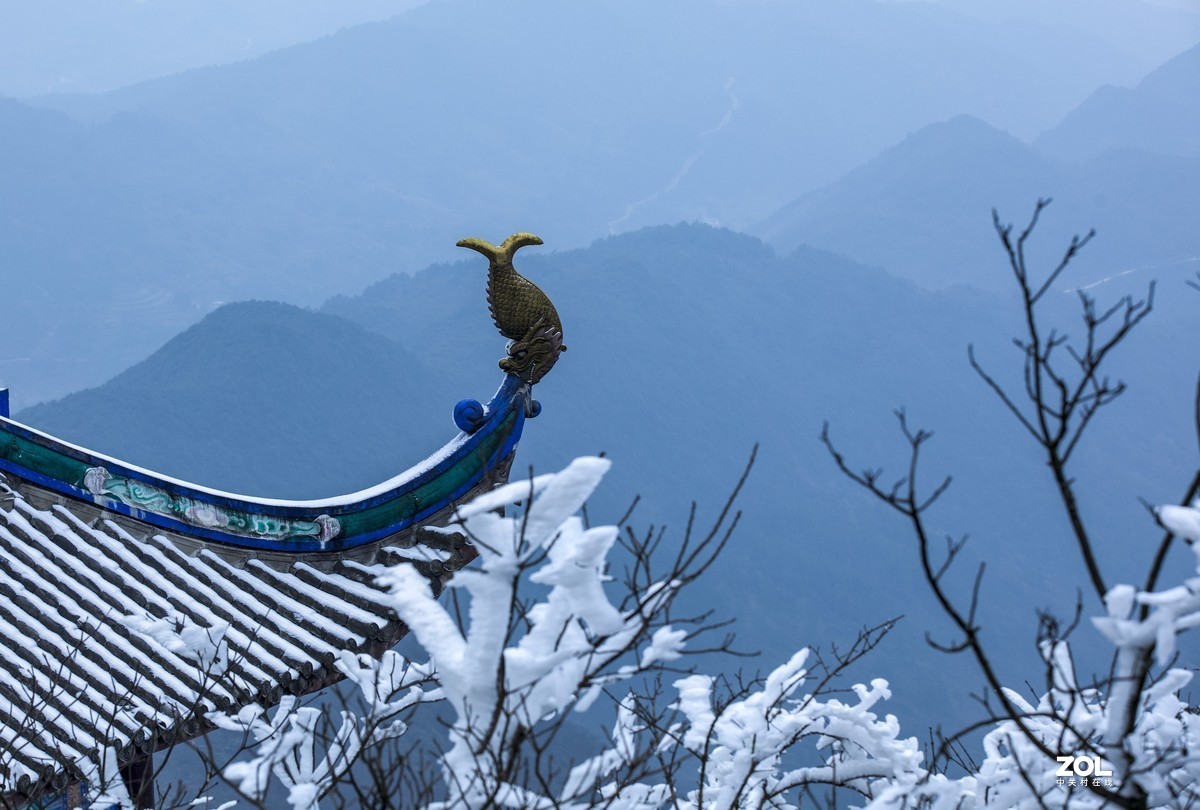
pixel 513 397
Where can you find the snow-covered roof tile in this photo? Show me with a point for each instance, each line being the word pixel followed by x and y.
pixel 77 678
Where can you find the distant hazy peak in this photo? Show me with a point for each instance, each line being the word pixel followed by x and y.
pixel 61 46
pixel 959 127
pixel 963 140
pixel 922 208
pixel 1160 115
pixel 1178 73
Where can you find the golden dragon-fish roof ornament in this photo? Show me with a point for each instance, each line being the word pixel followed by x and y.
pixel 520 310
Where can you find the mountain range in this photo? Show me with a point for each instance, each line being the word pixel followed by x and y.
pixel 910 210
pixel 1154 116
pixel 57 46
pixel 320 168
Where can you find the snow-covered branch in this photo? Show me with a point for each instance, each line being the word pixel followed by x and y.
pixel 1130 740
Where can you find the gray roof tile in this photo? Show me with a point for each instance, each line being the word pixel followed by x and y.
pixel 76 680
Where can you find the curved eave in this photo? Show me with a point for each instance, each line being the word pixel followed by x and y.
pixel 269 524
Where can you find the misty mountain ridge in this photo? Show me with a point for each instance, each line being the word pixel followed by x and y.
pixel 688 345
pixel 1159 115
pixel 320 168
pixel 909 210
pixel 55 46
pixel 264 398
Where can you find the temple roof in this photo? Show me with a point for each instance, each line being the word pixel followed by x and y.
pixel 133 603
pixel 76 678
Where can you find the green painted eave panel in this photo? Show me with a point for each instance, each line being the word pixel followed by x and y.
pixel 42 460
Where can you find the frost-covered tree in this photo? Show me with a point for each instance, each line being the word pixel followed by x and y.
pixel 510 671
pixel 542 632
pixel 1129 739
pixel 512 667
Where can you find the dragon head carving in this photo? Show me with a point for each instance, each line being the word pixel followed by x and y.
pixel 535 354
